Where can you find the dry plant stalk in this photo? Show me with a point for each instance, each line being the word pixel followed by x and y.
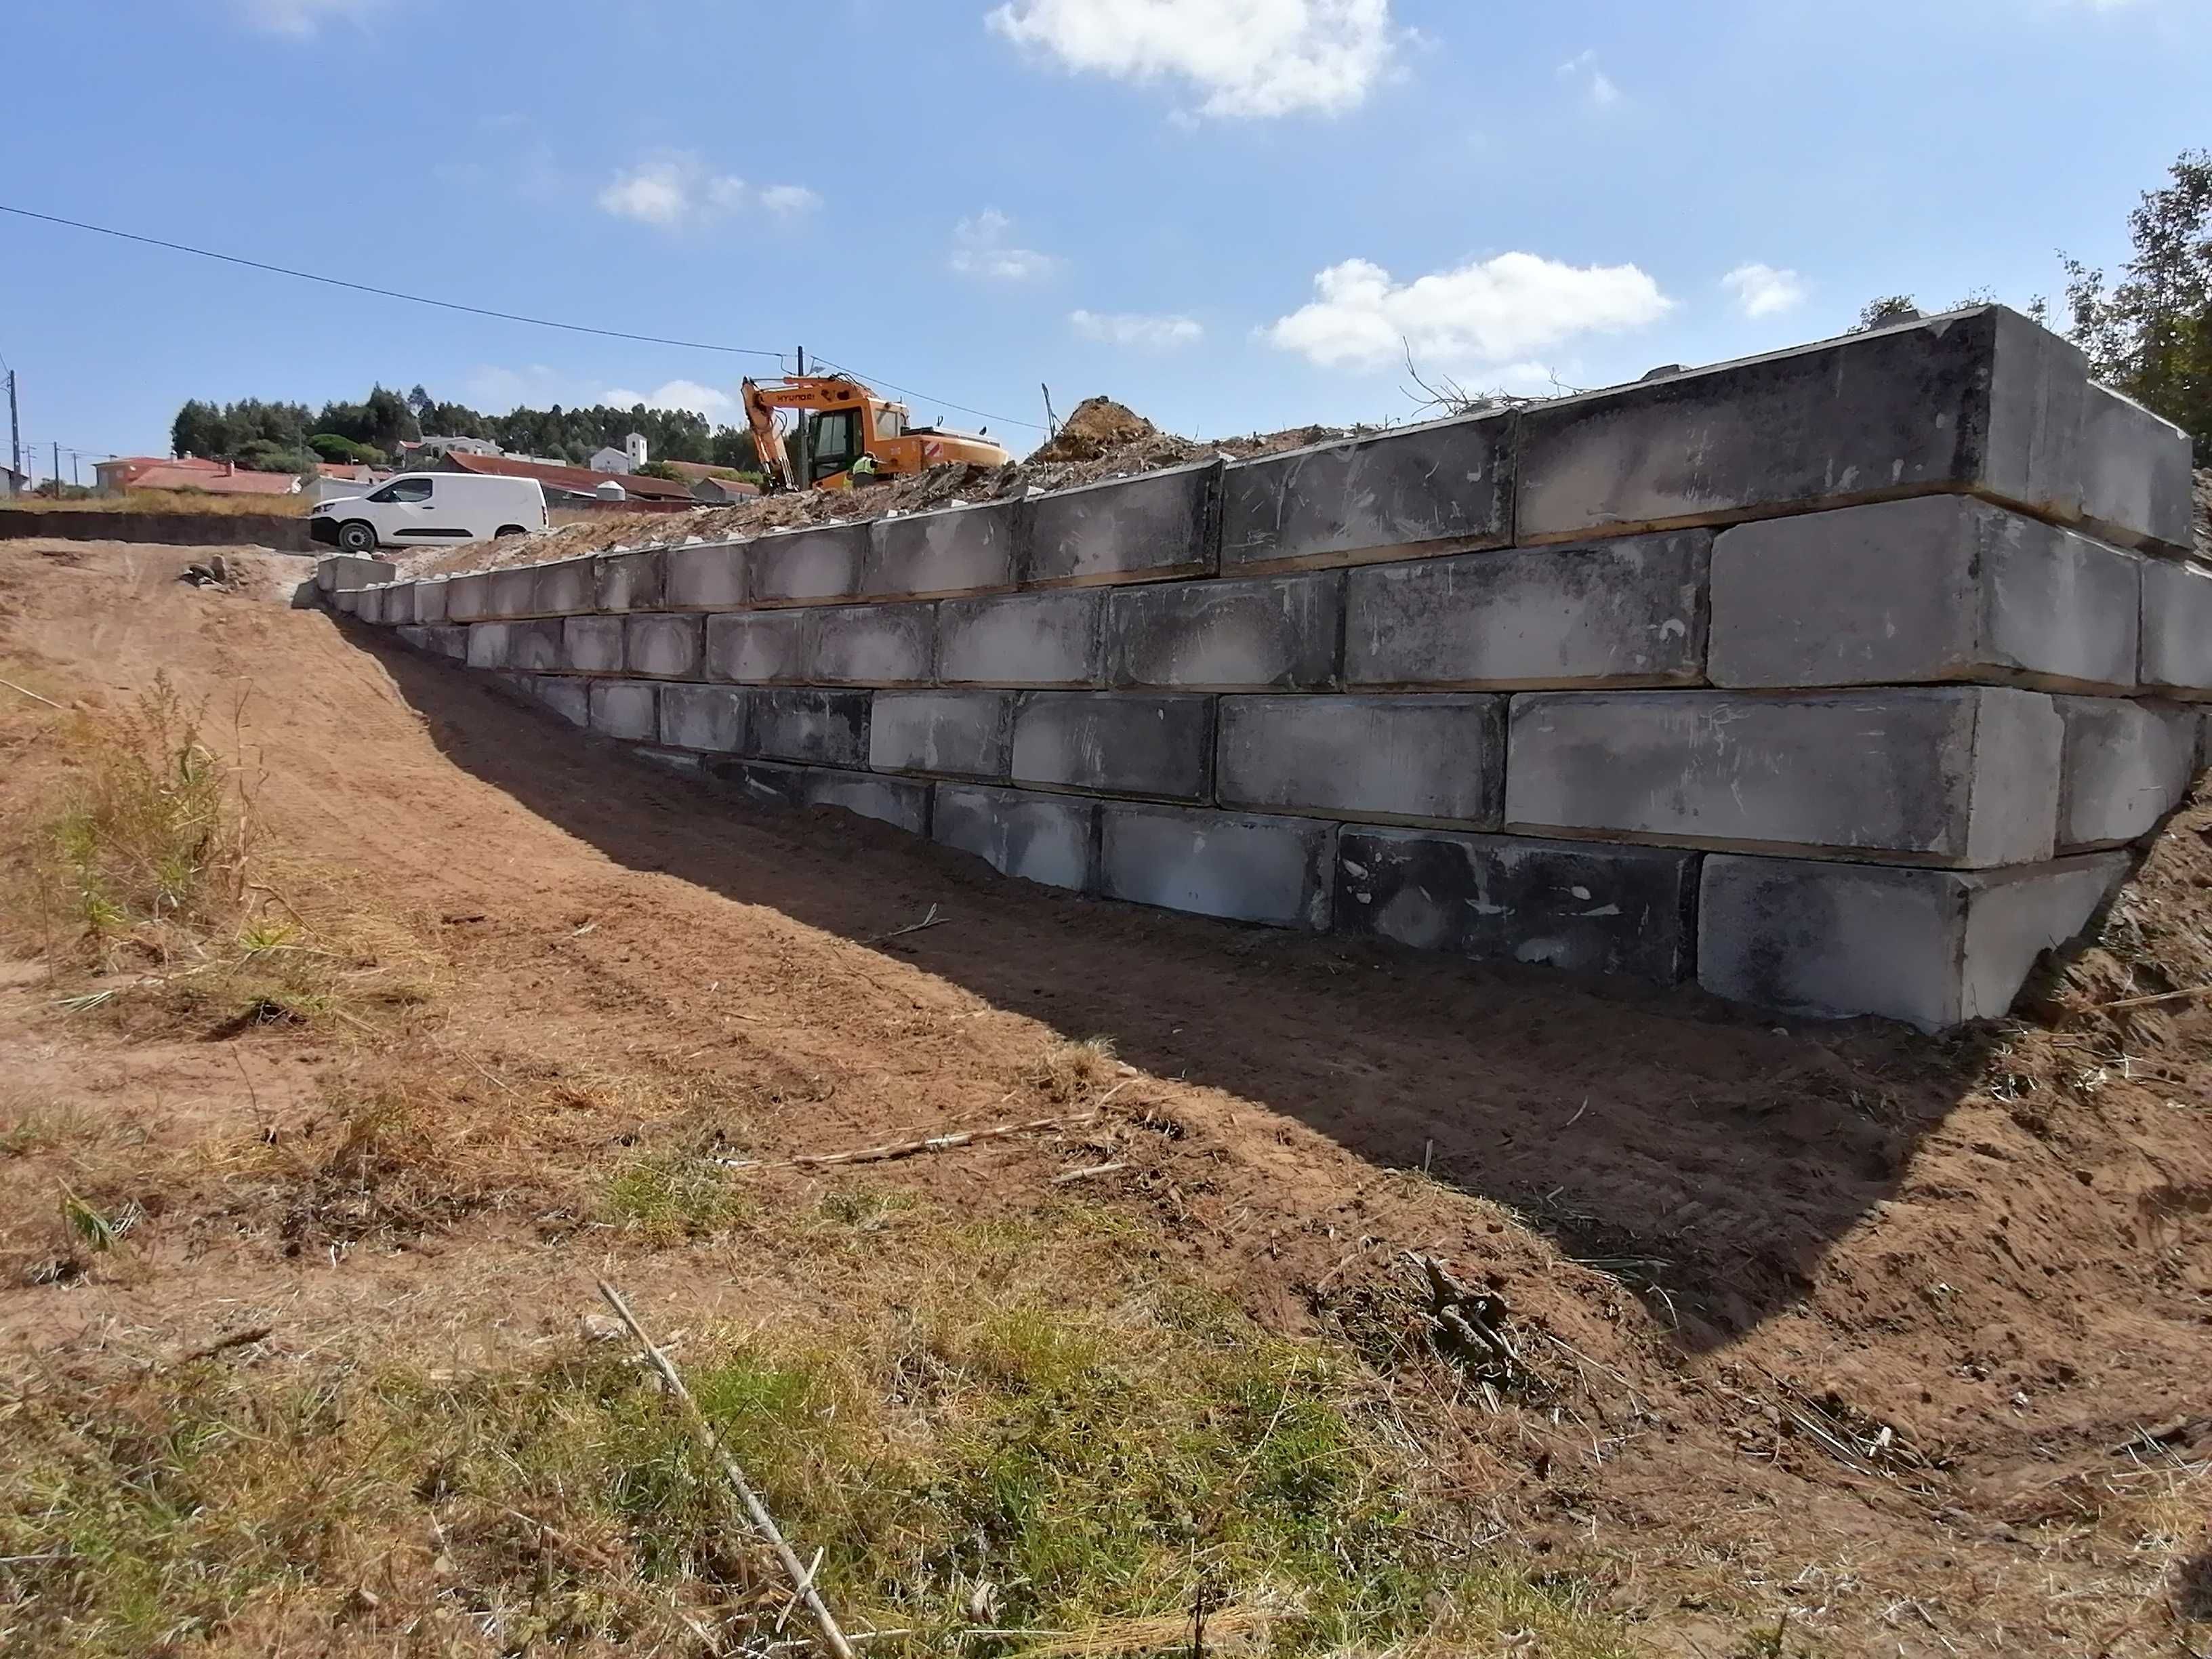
pixel 898 1148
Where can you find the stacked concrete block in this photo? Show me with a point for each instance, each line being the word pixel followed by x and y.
pixel 345 572
pixel 1844 680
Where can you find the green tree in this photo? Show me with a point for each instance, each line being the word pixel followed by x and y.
pixel 1889 308
pixel 2150 333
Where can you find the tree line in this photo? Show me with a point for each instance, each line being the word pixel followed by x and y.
pixel 287 437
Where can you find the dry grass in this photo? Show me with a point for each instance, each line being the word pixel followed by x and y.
pixel 171 501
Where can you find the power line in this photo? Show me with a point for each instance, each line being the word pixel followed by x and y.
pixel 893 386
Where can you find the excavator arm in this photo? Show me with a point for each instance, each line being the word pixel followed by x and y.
pixel 880 431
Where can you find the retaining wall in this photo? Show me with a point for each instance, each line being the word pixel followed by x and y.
pixel 1842 680
pixel 276 532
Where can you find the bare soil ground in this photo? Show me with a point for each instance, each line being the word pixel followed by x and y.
pixel 1835 1339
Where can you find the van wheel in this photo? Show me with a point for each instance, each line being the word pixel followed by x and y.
pixel 508 530
pixel 357 536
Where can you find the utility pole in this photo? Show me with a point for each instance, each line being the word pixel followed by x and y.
pixel 14 428
pixel 803 464
pixel 58 471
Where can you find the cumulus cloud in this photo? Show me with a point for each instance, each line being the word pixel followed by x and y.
pixel 1246 58
pixel 1128 328
pixel 677 188
pixel 1763 290
pixel 301 18
pixel 687 395
pixel 1491 313
pixel 1597 86
pixel 983 247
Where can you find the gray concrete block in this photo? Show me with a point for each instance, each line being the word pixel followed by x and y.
pixel 1115 743
pixel 449 641
pixel 1277 871
pixel 966 734
pixel 413 638
pixel 1934 948
pixel 816 728
pixel 430 600
pixel 966 549
pixel 570 699
pixel 2126 765
pixel 807 566
pixel 900 802
pixel 2135 475
pixel 565 588
pixel 763 783
pixel 1268 633
pixel 709 717
pixel 343 573
pixel 1628 612
pixel 665 646
pixel 533 648
pixel 874 644
pixel 1939 587
pixel 346 601
pixel 708 577
pixel 398 605
pixel 1584 907
pixel 1151 527
pixel 592 645
pixel 1434 759
pixel 468 596
pixel 488 644
pixel 1980 400
pixel 626 708
pixel 513 591
pixel 1446 485
pixel 630 581
pixel 1024 640
pixel 668 760
pixel 1964 776
pixel 1050 839
pixel 761 647
pixel 2177 630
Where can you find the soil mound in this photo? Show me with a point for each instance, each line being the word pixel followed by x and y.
pixel 1098 425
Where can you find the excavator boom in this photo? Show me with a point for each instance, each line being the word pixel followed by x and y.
pixel 846 421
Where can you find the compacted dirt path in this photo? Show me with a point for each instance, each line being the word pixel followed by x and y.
pixel 1863 1325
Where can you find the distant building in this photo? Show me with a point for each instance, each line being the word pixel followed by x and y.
pixel 126 472
pixel 718 491
pixel 422 450
pixel 13 482
pixel 332 481
pixel 630 458
pixel 567 485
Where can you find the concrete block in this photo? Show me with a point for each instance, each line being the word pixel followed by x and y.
pixel 468 596
pixel 664 647
pixel 398 605
pixel 2126 765
pixel 808 566
pixel 966 549
pixel 533 648
pixel 1115 743
pixel 1934 948
pixel 761 647
pixel 763 783
pixel 1050 839
pixel 1277 871
pixel 1981 400
pixel 1584 907
pixel 2135 475
pixel 1939 587
pixel 430 600
pixel 571 699
pixel 1965 775
pixel 708 577
pixel 965 733
pixel 900 802
pixel 488 644
pixel 566 587
pixel 626 708
pixel 709 717
pixel 1628 612
pixel 1446 485
pixel 874 644
pixel 1269 633
pixel 343 573
pixel 2177 630
pixel 1435 759
pixel 449 641
pixel 592 645
pixel 1151 527
pixel 1024 640
pixel 816 728
pixel 513 591
pixel 413 638
pixel 630 581
pixel 346 601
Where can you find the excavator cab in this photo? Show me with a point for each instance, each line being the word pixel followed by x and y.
pixel 835 440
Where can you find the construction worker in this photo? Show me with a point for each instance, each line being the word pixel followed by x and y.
pixel 863 469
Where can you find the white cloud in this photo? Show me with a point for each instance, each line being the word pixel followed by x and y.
pixel 1597 86
pixel 1490 313
pixel 983 247
pixel 675 394
pixel 1764 291
pixel 1125 328
pixel 1249 57
pixel 676 187
pixel 301 18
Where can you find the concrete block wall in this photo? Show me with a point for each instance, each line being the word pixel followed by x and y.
pixel 1841 680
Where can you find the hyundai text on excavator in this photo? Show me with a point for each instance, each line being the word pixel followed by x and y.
pixel 845 421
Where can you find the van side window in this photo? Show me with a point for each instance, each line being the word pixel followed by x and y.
pixel 404 489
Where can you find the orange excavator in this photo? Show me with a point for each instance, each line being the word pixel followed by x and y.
pixel 844 421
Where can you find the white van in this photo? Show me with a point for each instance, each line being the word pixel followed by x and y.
pixel 417 508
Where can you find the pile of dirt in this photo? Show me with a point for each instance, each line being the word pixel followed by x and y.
pixel 1101 439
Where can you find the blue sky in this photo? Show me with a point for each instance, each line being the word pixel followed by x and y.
pixel 1226 213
